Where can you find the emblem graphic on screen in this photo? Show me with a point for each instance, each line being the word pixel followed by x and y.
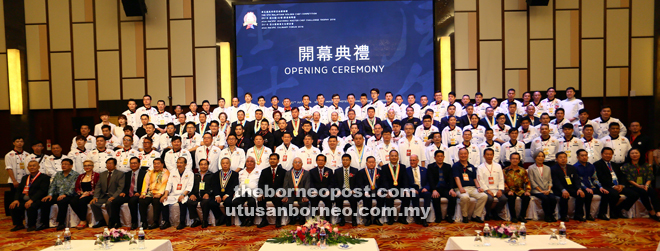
pixel 249 20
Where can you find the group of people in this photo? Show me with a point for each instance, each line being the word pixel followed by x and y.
pixel 444 149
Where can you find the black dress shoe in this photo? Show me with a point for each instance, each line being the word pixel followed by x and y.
pixel 564 219
pixel 196 223
pixel 263 223
pixel 622 216
pixel 31 229
pixel 424 223
pixel 165 225
pixel 466 220
pixel 42 227
pixel 301 221
pixel 487 217
pixel 60 227
pixel 477 219
pixel 100 224
pixel 390 222
pixel 292 221
pixel 403 220
pixel 581 219
pixel 243 222
pixel 497 217
pixel 514 220
pixel 118 226
pixel 16 228
pixel 134 226
pixel 205 224
pixel 437 220
pixel 154 226
pixel 603 217
pixel 180 226
pixel 449 219
pixel 522 219
pixel 377 222
pixel 342 222
pixel 354 223
pixel 249 223
pixel 367 222
pixel 229 222
pixel 590 218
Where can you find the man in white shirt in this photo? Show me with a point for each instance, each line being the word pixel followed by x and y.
pixel 111 141
pixel 321 109
pixel 248 107
pixel 352 106
pixel 479 105
pixel 334 108
pixel 104 121
pixel 259 152
pixel 491 144
pixel 527 134
pixel 571 105
pixel 78 155
pixel 452 135
pixel 287 151
pixel 437 145
pixel 474 155
pixel 131 118
pixel 234 153
pixel 411 145
pixel 412 104
pixel 334 131
pixel 191 139
pixel 125 153
pixel 583 120
pixel 162 117
pixel 512 146
pixel 452 101
pixel 305 110
pixel 53 163
pixel 233 110
pixel 215 115
pixel 501 130
pixel 148 155
pixel 592 145
pixel 91 140
pixel 545 120
pixel 546 144
pixel 390 105
pixel 377 138
pixel 333 152
pixel 426 128
pixel 15 165
pixel 165 141
pixel 308 153
pixel 359 152
pixel 559 121
pixel 620 145
pixel 551 103
pixel 248 180
pixel 491 179
pixel 604 122
pixel 570 144
pixel 209 152
pixel 151 133
pixel 146 109
pixel 100 155
pixel 177 152
pixel 274 101
pixel 179 185
pixel 439 106
pixel 192 115
pixel 378 105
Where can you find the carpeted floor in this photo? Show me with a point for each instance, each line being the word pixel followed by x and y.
pixel 633 234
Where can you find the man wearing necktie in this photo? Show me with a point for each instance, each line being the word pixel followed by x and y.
pixel 345 179
pixel 613 180
pixel 417 180
pixel 110 185
pixel 271 178
pixel 322 179
pixel 133 180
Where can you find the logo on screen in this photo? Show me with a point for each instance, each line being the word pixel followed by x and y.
pixel 249 20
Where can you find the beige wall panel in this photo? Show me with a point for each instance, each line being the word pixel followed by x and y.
pixel 133 88
pixel 491 68
pixel 37 52
pixel 109 76
pixel 516 79
pixel 592 68
pixel 541 68
pixel 465 5
pixel 35 11
pixel 466 82
pixel 58 23
pixel 204 11
pixel 515 5
pixel 568 78
pixel 158 74
pixel 83 51
pixel 461 46
pixel 4 83
pixel 86 94
pixel 616 82
pixel 182 90
pixel 617 37
pixel 39 95
pixel 206 72
pixel 82 10
pixel 181 47
pixel 642 17
pixel 132 49
pixel 107 28
pixel 618 3
pixel 490 19
pixel 567 4
pixel 515 39
pixel 176 9
pixel 593 18
pixel 123 16
pixel 540 21
pixel 642 66
pixel 62 80
pixel 3 44
pixel 156 24
pixel 567 42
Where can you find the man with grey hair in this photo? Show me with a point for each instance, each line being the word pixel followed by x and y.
pixel 297 180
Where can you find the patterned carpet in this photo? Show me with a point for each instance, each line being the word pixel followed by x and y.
pixel 635 234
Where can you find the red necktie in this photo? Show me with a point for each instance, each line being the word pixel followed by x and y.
pixel 207 153
pixel 321 173
pixel 273 175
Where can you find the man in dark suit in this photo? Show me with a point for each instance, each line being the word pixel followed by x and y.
pixel 370 122
pixel 346 178
pixel 278 134
pixel 131 193
pixel 242 141
pixel 27 197
pixel 201 194
pixel 613 180
pixel 319 128
pixel 322 177
pixel 296 178
pixel 441 181
pixel 370 180
pixel 295 125
pixel 394 176
pixel 345 126
pixel 247 125
pixel 566 183
pixel 110 185
pixel 180 128
pixel 417 179
pixel 223 182
pixel 271 178
pixel 512 118
pixel 203 125
pixel 464 120
pixel 489 120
